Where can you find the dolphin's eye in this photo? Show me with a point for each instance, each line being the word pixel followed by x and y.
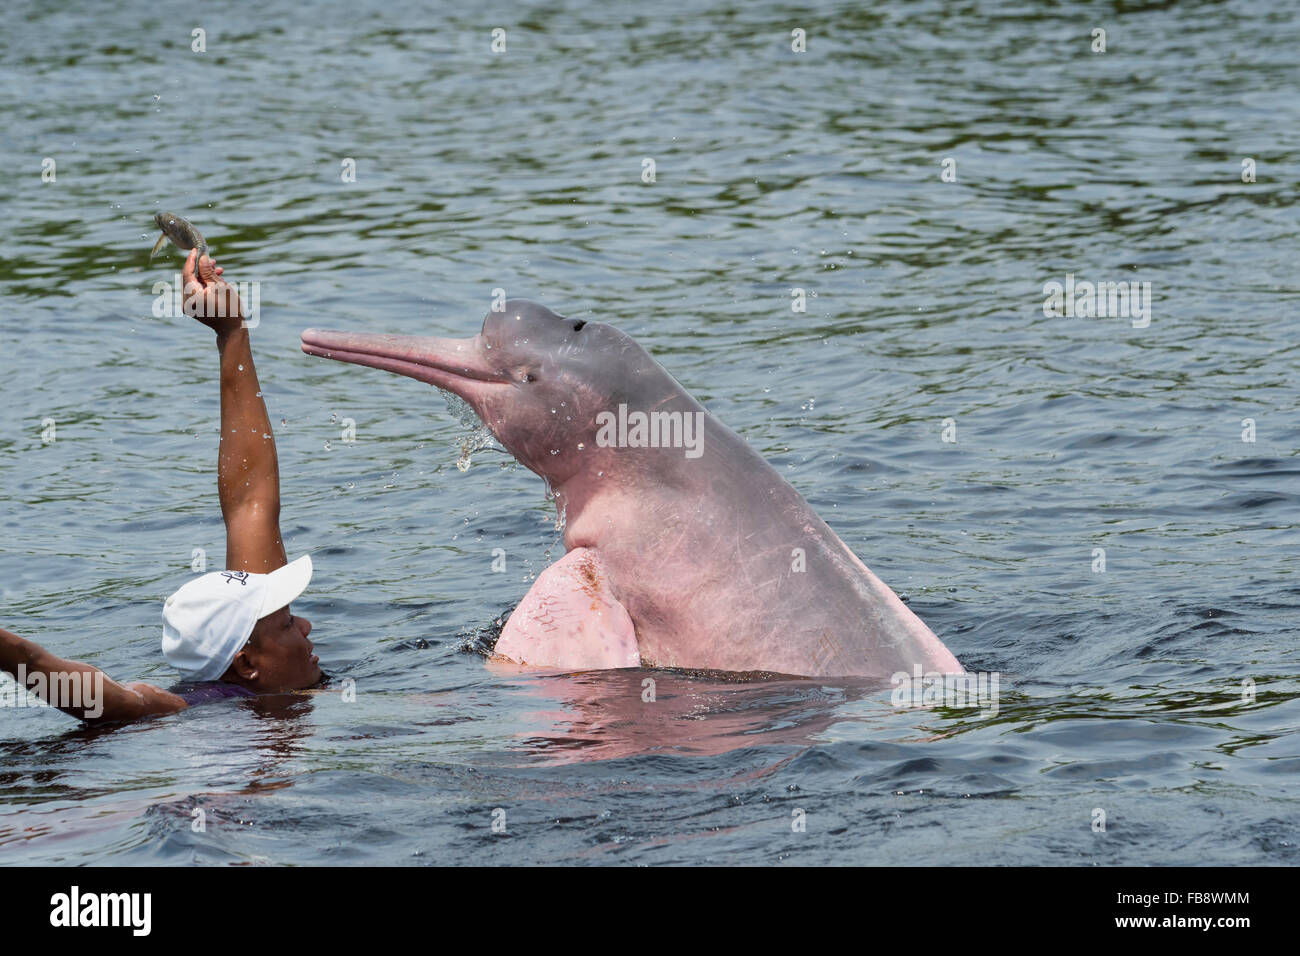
pixel 528 377
pixel 577 326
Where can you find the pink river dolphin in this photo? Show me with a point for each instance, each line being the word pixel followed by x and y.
pixel 685 548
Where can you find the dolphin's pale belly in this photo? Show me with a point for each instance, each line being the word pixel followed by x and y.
pixel 720 564
pixel 725 584
pixel 815 622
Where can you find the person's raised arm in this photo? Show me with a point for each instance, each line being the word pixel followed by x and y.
pixel 79 689
pixel 248 472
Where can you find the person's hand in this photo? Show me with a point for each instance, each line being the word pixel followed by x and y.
pixel 208 297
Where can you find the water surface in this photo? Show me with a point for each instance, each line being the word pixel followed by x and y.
pixel 1121 690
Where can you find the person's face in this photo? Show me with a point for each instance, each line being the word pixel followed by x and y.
pixel 278 656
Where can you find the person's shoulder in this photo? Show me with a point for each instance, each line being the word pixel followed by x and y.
pixel 204 692
pixel 153 700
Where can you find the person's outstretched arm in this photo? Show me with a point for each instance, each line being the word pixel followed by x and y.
pixel 248 472
pixel 79 689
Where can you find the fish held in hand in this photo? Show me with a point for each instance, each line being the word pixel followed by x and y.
pixel 181 232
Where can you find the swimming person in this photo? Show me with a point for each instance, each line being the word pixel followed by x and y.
pixel 229 633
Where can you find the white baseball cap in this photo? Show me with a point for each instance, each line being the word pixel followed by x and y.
pixel 209 620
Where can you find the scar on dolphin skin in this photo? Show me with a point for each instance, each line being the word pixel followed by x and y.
pixel 545 616
pixel 828 651
pixel 590 582
pixel 695 592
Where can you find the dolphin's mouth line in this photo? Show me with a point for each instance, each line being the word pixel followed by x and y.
pixel 408 367
pixel 431 367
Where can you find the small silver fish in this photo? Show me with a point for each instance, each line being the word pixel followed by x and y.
pixel 181 232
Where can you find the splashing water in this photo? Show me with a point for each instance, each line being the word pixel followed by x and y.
pixel 561 509
pixel 478 439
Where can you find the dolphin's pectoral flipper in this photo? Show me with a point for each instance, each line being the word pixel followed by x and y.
pixel 570 619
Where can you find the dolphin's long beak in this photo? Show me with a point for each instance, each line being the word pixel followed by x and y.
pixel 456 365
